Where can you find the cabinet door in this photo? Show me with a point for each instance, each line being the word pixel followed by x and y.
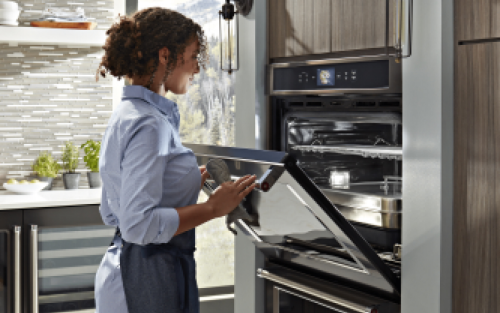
pixel 360 24
pixel 476 255
pixel 64 247
pixel 291 27
pixel 10 261
pixel 477 19
pixel 304 27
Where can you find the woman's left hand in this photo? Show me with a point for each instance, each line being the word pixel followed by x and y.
pixel 204 175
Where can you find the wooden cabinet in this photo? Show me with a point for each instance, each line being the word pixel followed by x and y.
pixel 303 27
pixel 476 268
pixel 359 24
pixel 477 19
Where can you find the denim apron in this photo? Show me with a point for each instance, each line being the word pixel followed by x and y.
pixel 160 278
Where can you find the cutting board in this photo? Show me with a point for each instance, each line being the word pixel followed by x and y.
pixel 72 25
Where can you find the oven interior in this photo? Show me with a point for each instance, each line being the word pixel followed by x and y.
pixel 351 148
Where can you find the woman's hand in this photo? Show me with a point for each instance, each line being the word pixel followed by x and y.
pixel 229 194
pixel 204 175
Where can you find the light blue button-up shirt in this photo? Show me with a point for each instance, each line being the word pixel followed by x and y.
pixel 146 174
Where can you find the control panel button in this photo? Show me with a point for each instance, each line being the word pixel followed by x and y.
pixel 353 78
pixel 353 72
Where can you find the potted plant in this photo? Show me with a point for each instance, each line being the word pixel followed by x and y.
pixel 70 156
pixel 91 158
pixel 46 168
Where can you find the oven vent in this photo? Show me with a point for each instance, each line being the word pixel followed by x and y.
pixel 314 104
pixel 336 103
pixel 393 104
pixel 296 104
pixel 365 104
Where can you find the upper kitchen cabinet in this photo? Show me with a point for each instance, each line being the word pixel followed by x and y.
pixel 477 19
pixel 360 24
pixel 304 27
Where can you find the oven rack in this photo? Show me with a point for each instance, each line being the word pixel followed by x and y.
pixel 380 152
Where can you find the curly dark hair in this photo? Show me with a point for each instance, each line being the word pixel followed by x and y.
pixel 133 42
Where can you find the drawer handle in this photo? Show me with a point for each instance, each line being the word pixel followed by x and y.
pixel 34 268
pixel 17 269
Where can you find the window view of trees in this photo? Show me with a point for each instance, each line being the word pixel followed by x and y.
pixel 207 117
pixel 207 110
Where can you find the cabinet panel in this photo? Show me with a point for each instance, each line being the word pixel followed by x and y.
pixel 360 24
pixel 477 171
pixel 322 26
pixel 477 19
pixel 303 27
pixel 8 219
pixel 277 28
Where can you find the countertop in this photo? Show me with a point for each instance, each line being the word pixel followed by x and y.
pixel 49 198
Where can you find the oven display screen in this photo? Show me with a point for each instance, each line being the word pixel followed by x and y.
pixel 326 77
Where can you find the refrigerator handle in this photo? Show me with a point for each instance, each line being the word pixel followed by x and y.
pixel 17 269
pixel 34 268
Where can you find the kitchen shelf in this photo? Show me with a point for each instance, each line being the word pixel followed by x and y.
pixel 380 152
pixel 51 36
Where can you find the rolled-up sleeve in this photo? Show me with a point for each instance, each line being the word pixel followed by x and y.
pixel 142 219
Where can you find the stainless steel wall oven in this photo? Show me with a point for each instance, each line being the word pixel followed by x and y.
pixel 327 214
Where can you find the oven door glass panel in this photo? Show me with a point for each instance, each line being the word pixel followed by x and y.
pixel 296 222
pixel 68 259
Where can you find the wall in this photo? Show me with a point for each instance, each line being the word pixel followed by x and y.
pixel 48 95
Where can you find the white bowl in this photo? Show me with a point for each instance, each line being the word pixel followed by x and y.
pixel 26 188
pixel 9 23
pixel 10 15
pixel 9 5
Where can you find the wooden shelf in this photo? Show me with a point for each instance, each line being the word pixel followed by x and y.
pixel 51 36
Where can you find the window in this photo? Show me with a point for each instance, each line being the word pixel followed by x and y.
pixel 207 117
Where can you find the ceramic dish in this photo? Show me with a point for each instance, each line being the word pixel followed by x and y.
pixel 9 5
pixel 10 15
pixel 25 188
pixel 9 24
pixel 8 21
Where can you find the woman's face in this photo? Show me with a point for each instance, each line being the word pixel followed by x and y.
pixel 181 77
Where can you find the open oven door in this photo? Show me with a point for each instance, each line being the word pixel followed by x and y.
pixel 297 226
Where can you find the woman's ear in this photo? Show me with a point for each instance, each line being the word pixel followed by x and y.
pixel 163 56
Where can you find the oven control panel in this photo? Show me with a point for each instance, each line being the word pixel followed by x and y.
pixel 356 75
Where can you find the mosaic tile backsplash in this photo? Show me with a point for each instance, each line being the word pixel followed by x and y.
pixel 95 11
pixel 49 95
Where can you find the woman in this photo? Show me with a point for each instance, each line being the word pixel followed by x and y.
pixel 150 181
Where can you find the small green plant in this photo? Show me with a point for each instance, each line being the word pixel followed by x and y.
pixel 70 156
pixel 45 165
pixel 92 149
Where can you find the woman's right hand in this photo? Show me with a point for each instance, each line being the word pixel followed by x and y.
pixel 229 194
